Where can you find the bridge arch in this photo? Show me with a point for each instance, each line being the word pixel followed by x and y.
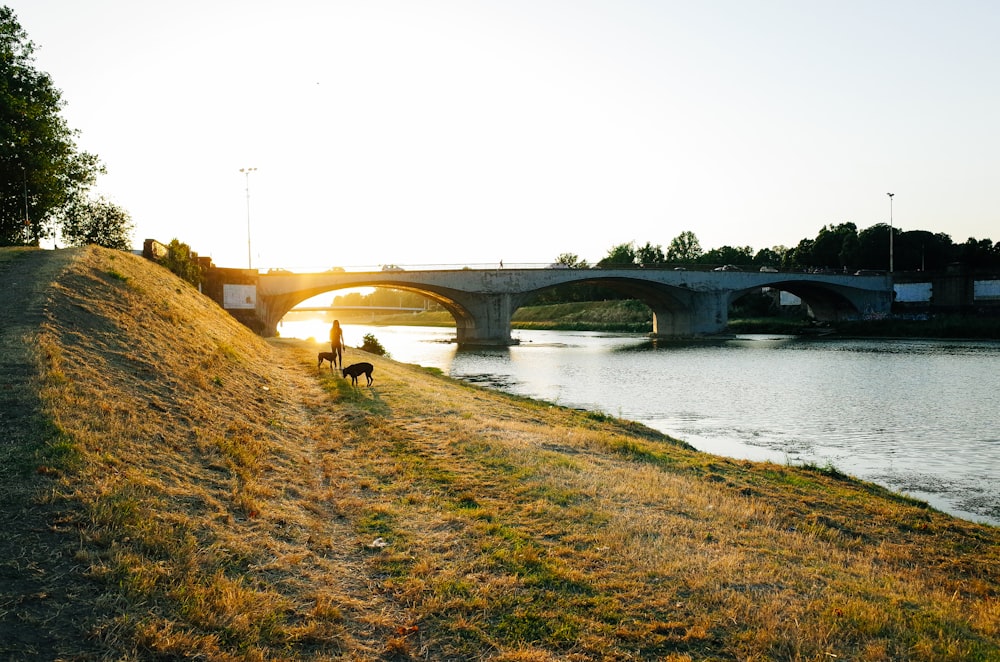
pixel 827 302
pixel 671 306
pixel 467 311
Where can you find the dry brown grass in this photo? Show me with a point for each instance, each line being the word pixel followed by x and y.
pixel 194 491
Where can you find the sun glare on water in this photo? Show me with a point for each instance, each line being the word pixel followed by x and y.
pixel 311 328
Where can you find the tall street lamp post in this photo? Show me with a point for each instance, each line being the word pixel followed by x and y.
pixel 890 230
pixel 24 175
pixel 247 172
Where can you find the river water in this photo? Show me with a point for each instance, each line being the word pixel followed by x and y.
pixel 919 417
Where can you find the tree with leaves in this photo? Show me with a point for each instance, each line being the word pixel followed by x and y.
pixel 183 262
pixel 86 221
pixel 836 246
pixel 920 250
pixel 622 255
pixel 800 257
pixel 770 257
pixel 979 253
pixel 873 246
pixel 571 261
pixel 650 255
pixel 734 255
pixel 41 169
pixel 684 248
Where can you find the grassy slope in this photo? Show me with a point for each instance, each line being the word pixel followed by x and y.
pixel 187 489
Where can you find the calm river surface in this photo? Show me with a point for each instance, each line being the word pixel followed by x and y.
pixel 920 417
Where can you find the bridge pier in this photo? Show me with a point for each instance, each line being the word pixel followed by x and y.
pixel 484 319
pixel 270 311
pixel 700 313
pixel 710 312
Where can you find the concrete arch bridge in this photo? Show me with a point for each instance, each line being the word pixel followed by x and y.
pixel 482 301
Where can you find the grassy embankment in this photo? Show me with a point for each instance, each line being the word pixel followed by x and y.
pixel 187 490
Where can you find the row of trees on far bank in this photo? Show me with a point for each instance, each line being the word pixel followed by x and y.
pixel 836 247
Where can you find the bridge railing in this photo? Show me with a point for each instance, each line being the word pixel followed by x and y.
pixel 540 265
pixel 411 267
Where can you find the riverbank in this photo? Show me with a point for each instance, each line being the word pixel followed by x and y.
pixel 187 489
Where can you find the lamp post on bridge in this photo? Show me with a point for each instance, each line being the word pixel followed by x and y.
pixel 247 172
pixel 890 231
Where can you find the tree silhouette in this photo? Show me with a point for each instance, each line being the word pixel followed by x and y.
pixel 684 248
pixel 100 222
pixel 40 167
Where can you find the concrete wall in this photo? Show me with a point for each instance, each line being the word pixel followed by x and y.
pixel 214 287
pixel 952 291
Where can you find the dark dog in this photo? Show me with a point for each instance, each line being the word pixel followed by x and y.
pixel 325 356
pixel 357 369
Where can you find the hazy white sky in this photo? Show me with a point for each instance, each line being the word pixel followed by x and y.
pixel 467 131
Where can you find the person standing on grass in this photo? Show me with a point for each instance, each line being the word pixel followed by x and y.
pixel 337 343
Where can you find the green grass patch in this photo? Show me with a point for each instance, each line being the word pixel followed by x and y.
pixel 57 452
pixel 376 522
pixel 640 452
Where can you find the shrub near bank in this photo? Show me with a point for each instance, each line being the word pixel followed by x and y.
pixel 210 495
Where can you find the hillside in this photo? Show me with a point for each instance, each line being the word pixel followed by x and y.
pixel 174 487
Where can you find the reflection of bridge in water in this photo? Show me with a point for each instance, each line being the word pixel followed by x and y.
pixel 482 301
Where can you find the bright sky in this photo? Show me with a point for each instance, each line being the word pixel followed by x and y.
pixel 473 131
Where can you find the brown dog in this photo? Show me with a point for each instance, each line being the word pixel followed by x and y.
pixel 325 356
pixel 356 369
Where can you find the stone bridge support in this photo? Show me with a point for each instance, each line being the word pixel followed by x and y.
pixel 270 310
pixel 709 312
pixel 699 313
pixel 483 318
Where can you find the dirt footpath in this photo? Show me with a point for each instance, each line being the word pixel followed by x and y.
pixel 36 577
pixel 24 276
